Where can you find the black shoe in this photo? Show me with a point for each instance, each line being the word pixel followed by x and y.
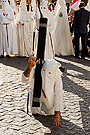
pixel 2 56
pixel 82 57
pixel 7 56
pixel 76 56
pixel 18 56
pixel 23 57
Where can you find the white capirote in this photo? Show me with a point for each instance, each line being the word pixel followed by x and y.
pixel 61 34
pixel 49 46
pixel 24 31
pixel 7 27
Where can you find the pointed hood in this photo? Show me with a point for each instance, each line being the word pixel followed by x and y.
pixel 12 4
pixel 5 4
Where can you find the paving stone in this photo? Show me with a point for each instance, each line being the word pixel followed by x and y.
pixel 75 118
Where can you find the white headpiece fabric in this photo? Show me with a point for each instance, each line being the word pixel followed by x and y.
pixel 5 4
pixel 23 6
pixel 44 8
pixel 12 3
pixel 61 2
pixel 33 3
pixel 48 74
pixel 51 65
pixel 75 6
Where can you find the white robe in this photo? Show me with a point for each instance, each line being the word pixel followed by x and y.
pixel 24 31
pixel 1 27
pixel 36 18
pixel 88 6
pixel 61 34
pixel 14 7
pixel 7 32
pixel 49 46
pixel 52 86
pixel 14 35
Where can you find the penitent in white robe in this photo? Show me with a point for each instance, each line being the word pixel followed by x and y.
pixel 1 47
pixel 14 35
pixel 36 19
pixel 49 46
pixel 24 31
pixel 6 28
pixel 61 34
pixel 52 86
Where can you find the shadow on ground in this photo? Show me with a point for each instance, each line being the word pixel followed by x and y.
pixel 65 128
pixel 19 63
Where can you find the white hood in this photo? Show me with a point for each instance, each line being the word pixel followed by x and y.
pixel 75 6
pixel 5 5
pixel 61 2
pixel 23 13
pixel 44 9
pixel 12 4
pixel 23 7
pixel 48 73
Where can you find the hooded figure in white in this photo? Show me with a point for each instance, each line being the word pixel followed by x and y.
pixel 61 34
pixel 88 6
pixel 13 6
pixel 49 46
pixel 14 35
pixel 1 27
pixel 52 87
pixel 24 31
pixel 7 18
pixel 35 14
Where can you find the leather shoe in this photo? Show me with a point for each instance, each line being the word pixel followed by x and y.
pixel 76 57
pixel 2 56
pixel 7 56
pixel 82 57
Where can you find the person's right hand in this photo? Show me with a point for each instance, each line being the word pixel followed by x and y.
pixel 32 62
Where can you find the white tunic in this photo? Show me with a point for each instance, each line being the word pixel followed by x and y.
pixel 35 23
pixel 61 34
pixel 14 35
pixel 24 31
pixel 49 46
pixel 1 27
pixel 7 27
pixel 52 86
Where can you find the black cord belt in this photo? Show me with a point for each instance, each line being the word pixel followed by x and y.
pixel 6 23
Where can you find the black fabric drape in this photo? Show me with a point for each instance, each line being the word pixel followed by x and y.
pixel 40 55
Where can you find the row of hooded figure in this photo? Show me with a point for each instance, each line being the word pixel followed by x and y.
pixel 15 34
pixel 17 28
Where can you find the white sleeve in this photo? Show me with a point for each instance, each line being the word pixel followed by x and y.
pixel 10 15
pixel 50 27
pixel 23 78
pixel 37 13
pixel 58 92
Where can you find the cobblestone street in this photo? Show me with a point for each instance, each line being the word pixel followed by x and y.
pixel 75 118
